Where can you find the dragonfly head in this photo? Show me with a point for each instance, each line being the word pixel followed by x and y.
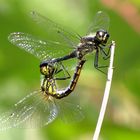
pixel 102 36
pixel 47 69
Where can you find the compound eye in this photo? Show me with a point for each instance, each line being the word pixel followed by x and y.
pixel 105 38
pixel 100 35
pixel 43 70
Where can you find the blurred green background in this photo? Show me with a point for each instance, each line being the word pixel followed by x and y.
pixel 19 71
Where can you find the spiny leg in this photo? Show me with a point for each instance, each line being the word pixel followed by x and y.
pixel 65 71
pixel 96 62
pixel 105 54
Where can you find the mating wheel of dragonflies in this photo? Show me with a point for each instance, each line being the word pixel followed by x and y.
pixel 41 107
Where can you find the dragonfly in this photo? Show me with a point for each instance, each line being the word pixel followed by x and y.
pixel 67 44
pixel 41 107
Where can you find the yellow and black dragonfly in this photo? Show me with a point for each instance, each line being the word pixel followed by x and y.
pixel 41 107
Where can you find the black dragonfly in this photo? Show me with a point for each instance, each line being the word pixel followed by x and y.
pixel 68 44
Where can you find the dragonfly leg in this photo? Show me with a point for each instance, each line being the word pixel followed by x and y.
pixel 96 62
pixel 63 93
pixel 58 71
pixel 105 54
pixel 65 71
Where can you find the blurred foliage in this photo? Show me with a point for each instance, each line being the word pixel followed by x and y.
pixel 19 71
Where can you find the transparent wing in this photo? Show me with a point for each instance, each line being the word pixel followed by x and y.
pixel 41 49
pixel 101 21
pixel 69 109
pixel 55 30
pixel 32 111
